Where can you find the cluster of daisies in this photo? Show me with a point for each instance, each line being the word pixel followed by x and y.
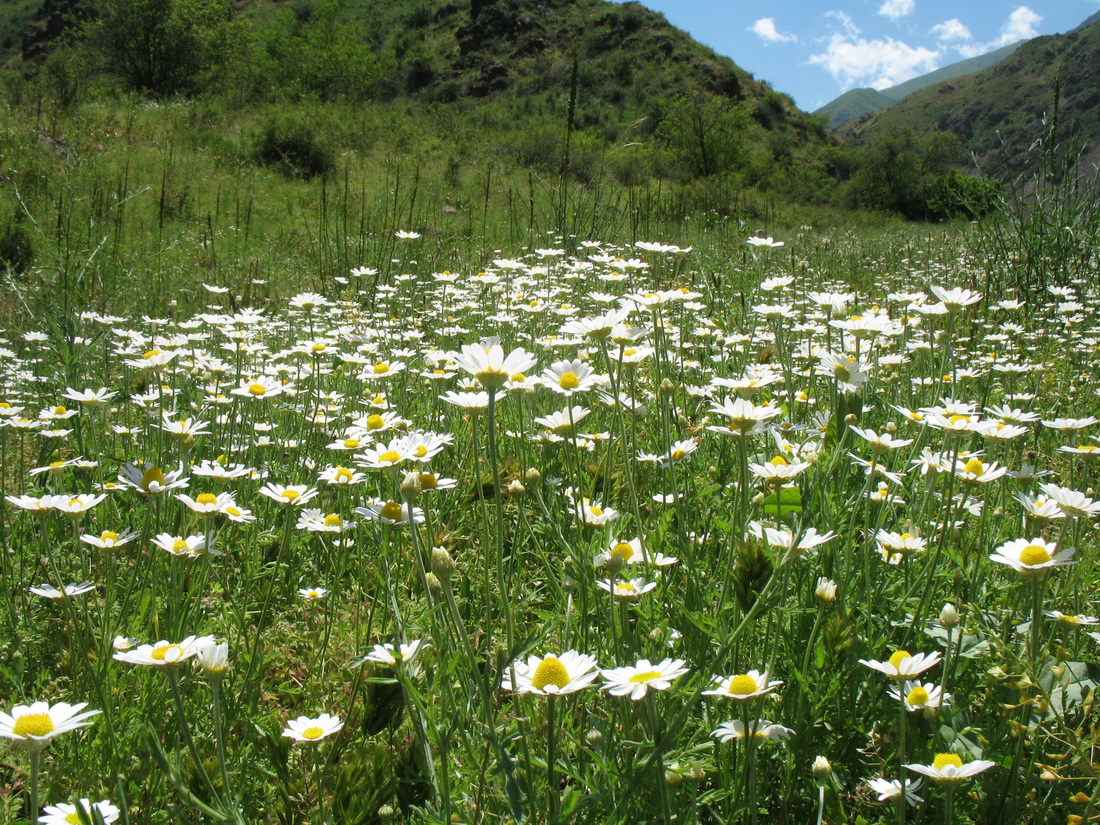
pixel 338 421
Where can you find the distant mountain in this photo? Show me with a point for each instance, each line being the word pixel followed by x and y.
pixel 999 112
pixel 858 102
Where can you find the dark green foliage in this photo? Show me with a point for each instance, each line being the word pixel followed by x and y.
pixel 316 51
pixel 292 145
pixel 898 170
pixel 705 133
pixel 16 248
pixel 956 195
pixel 165 47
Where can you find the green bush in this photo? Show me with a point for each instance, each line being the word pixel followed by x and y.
pixel 16 249
pixel 292 146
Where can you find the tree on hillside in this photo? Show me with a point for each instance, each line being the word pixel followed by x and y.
pixel 164 47
pixel 705 132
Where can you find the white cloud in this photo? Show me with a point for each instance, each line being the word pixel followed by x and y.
pixel 1020 25
pixel 896 9
pixel 854 61
pixel 952 31
pixel 765 29
pixel 846 21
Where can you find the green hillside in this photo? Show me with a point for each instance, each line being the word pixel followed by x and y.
pixel 858 102
pixel 999 112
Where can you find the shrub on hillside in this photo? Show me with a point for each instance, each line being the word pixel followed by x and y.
pixel 292 146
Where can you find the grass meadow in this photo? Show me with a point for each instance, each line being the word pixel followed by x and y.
pixel 325 503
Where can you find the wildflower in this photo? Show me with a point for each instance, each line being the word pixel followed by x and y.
pixel 949 769
pixel 490 366
pixel 745 686
pixel 259 388
pixel 769 242
pixel 290 496
pixel 956 298
pixel 76 506
pixel 317 521
pixel 825 590
pixel 626 589
pixel 150 480
pixel 387 654
pixel 926 697
pixel 391 512
pixel 185 546
pixel 1028 556
pixel 745 417
pixel 570 377
pixel 109 539
pixel 164 653
pixel 635 680
pixel 32 727
pixel 305 729
pixel 902 664
pixel 48 591
pixel 213 657
pixel 64 813
pixel 551 675
pixel 1067 621
pixel 891 789
pixel 1071 502
pixel 207 504
pixel 89 398
pixel 341 476
pixel 761 729
pixel 312 593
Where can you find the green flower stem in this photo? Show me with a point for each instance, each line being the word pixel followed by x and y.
pixel 553 797
pixel 185 731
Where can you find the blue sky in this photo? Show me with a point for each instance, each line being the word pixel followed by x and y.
pixel 813 50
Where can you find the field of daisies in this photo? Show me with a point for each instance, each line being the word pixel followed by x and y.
pixel 601 536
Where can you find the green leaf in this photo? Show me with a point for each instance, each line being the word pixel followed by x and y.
pixel 787 500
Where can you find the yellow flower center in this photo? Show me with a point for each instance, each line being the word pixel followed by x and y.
pixel 648 676
pixel 351 443
pixel 161 653
pixel 625 589
pixel 381 369
pixel 959 419
pixel 333 520
pixel 33 724
pixel 1034 554
pixel 974 466
pixel 678 455
pixel 842 373
pixel 375 422
pixel 108 537
pixel 623 550
pixel 742 685
pixel 59 410
pixel 153 474
pixel 390 457
pixel 550 672
pixel 206 498
pixel 313 733
pixel 596 511
pixel 907 536
pixel 289 494
pixel 343 475
pixel 391 510
pixel 428 481
pixel 420 451
pixel 317 348
pixel 257 389
pixel 153 353
pixel 179 546
pixel 73 818
pixel 233 511
pixel 942 760
pixel 778 461
pixel 899 657
pixel 917 697
pixel 569 381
